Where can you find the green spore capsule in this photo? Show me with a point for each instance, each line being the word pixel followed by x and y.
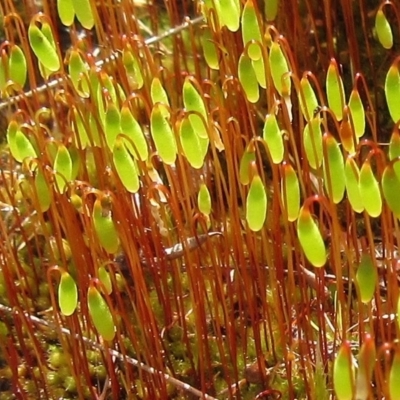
pixel 191 144
pixel 308 102
pixel 132 69
pixel 312 141
pixel 310 238
pixel 273 138
pixel 343 373
pixel 366 278
pixel 391 189
pixel 245 162
pixel 357 112
pixel 279 70
pixel 210 50
pixel 17 66
pixel 204 199
pixel 78 71
pixel 256 204
pixel 251 30
pixel 383 30
pixel 125 166
pixel 392 91
pixel 84 13
pixel 369 191
pixel 230 14
pixel 132 129
pixel 351 179
pixel 105 279
pixel 248 79
pixel 42 190
pixel 290 192
pixel 112 124
pixel 100 314
pixel 333 169
pixel 43 48
pixel 163 136
pixel 20 145
pixel 63 168
pixel 67 294
pixel 271 9
pixel 159 95
pixel 335 90
pixel 194 102
pixel 66 11
pixel 105 228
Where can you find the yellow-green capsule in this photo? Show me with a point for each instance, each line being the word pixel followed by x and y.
pixel 62 168
pixel 17 66
pixel 84 13
pixel 193 101
pixel 343 373
pixel 392 91
pixel 383 30
pixel 290 192
pixel 273 137
pixel 78 71
pixel 366 365
pixel 312 141
pixel 191 144
pixel 105 279
pixel 204 199
pixel 43 48
pixel 279 67
pixel 248 157
pixel 132 69
pixel 271 9
pixel 163 136
pixel 251 31
pixel 391 189
pixel 357 112
pixel 105 228
pixel 42 190
pixel 159 95
pixel 100 314
pixel 230 14
pixel 20 145
pixel 333 165
pixel 259 70
pixel 66 11
pixel 394 146
pixel 366 278
pixel 248 79
pixel 256 204
pixel 335 90
pixel 310 238
pixel 310 102
pixel 351 179
pixel 210 50
pixel 125 166
pixel 132 129
pixel 369 190
pixel 112 124
pixel 67 294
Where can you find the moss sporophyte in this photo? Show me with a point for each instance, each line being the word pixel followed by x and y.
pixel 199 198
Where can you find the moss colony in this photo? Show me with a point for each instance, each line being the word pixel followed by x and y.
pixel 199 199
